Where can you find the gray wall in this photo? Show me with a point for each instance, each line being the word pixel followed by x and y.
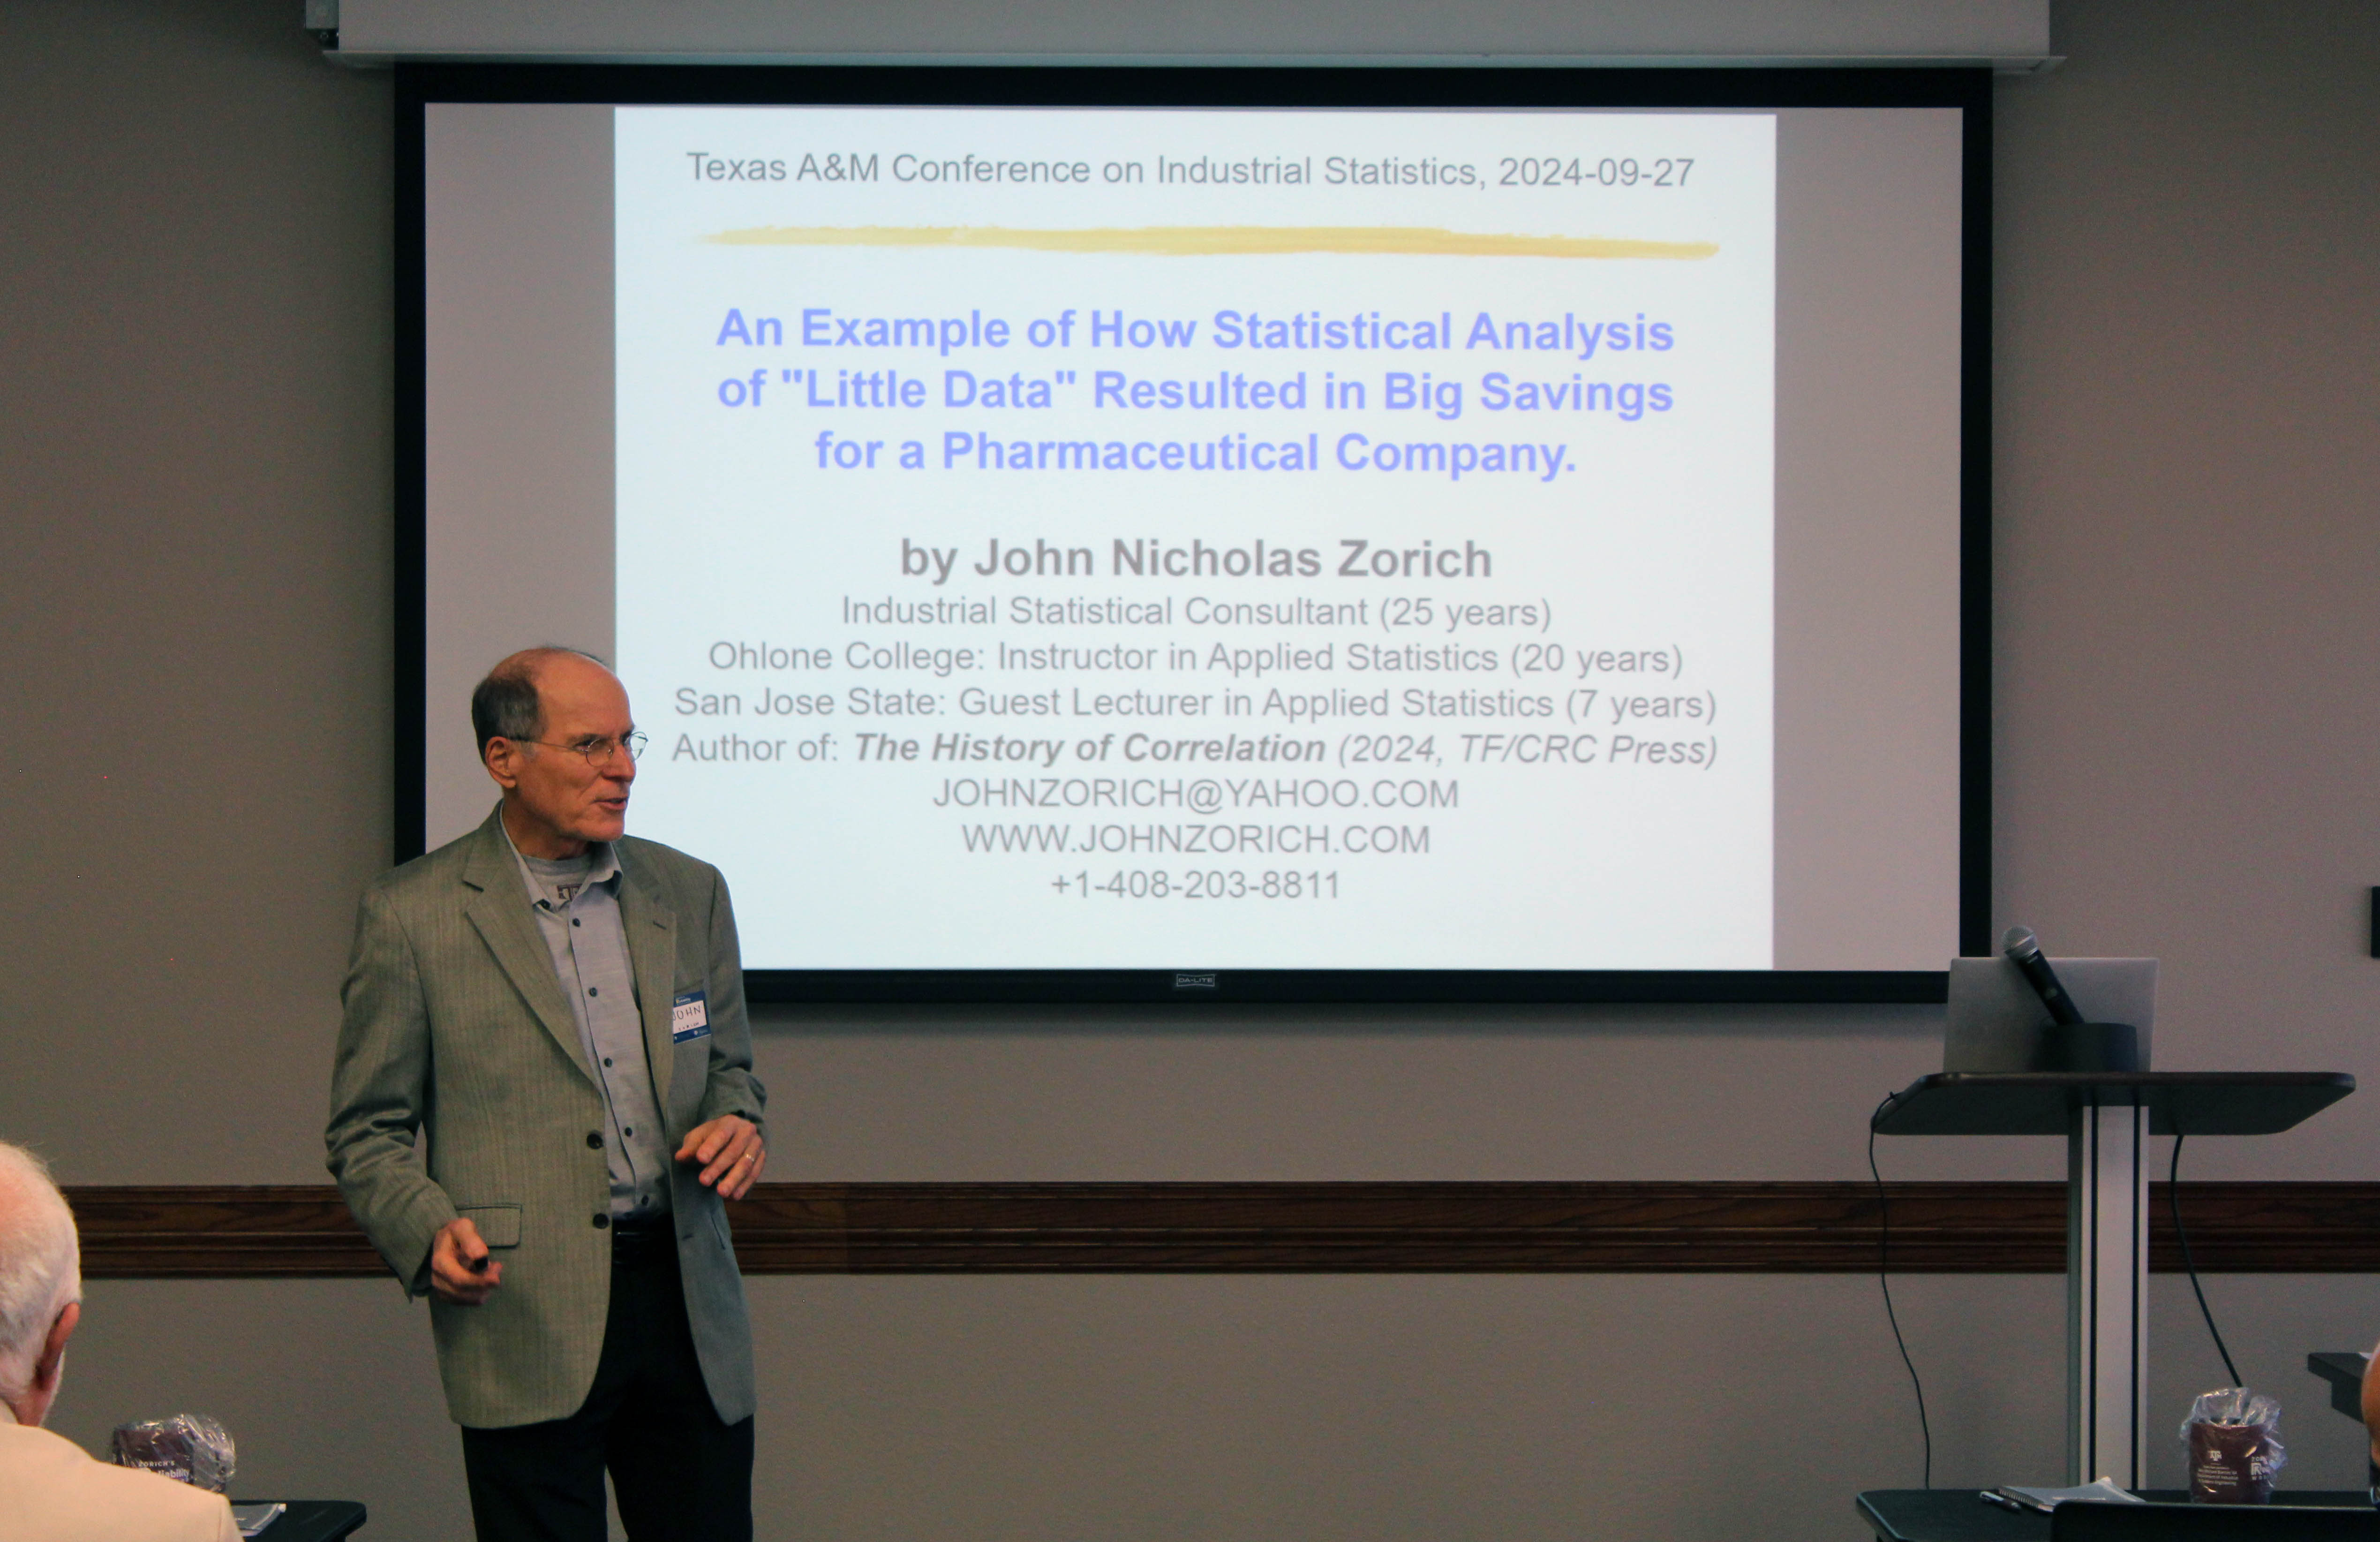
pixel 194 597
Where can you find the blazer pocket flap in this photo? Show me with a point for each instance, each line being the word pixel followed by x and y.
pixel 499 1225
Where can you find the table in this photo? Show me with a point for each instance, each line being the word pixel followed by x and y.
pixel 2344 1370
pixel 310 1520
pixel 1957 1515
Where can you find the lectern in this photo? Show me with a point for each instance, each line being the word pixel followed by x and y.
pixel 2107 1118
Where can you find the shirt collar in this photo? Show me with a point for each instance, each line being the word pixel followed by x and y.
pixel 604 869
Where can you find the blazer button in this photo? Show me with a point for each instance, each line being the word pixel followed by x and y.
pixel 594 1140
pixel 602 1221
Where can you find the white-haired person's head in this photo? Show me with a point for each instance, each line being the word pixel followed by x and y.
pixel 40 1283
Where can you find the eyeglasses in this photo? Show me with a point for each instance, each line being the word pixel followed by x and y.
pixel 598 751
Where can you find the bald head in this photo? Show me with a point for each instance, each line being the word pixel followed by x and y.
pixel 507 705
pixel 39 1276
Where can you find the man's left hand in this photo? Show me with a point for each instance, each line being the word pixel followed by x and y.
pixel 731 1152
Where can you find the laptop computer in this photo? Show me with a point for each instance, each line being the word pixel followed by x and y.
pixel 1994 1020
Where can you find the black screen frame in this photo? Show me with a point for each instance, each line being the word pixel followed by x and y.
pixel 1968 90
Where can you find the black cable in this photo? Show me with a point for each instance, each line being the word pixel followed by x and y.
pixel 2173 1198
pixel 1884 1282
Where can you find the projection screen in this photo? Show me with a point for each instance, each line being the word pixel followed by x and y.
pixel 1362 535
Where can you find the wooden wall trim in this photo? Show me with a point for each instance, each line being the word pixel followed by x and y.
pixel 1550 1228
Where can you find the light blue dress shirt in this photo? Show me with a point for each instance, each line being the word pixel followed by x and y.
pixel 577 903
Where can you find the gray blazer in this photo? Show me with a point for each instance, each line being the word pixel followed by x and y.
pixel 461 1088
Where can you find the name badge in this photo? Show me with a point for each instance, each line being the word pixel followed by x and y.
pixel 689 1017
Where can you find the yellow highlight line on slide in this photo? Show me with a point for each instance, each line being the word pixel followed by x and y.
pixel 1222 240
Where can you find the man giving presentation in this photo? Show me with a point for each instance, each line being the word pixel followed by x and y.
pixel 542 1093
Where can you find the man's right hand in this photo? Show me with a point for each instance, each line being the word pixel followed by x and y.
pixel 462 1272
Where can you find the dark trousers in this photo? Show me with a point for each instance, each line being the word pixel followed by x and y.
pixel 680 1475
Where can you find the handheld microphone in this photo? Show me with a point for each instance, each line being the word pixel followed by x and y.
pixel 2023 950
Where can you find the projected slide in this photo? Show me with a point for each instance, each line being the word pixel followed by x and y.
pixel 1066 538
